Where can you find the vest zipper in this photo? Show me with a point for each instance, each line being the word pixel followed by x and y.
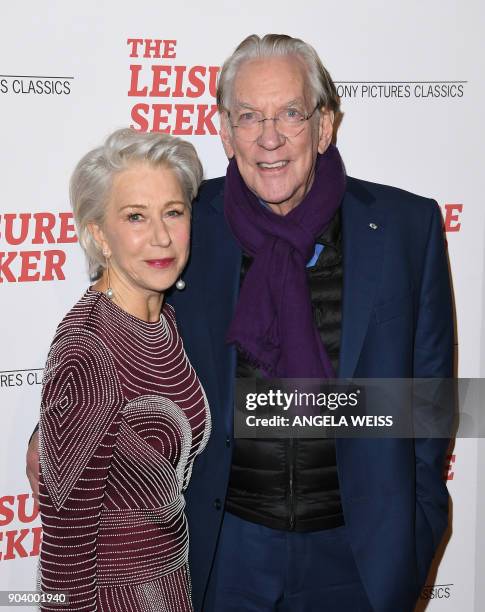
pixel 291 462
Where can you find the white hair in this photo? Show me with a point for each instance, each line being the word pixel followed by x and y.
pixel 323 89
pixel 93 176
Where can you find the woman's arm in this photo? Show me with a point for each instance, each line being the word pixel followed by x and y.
pixel 32 463
pixel 80 414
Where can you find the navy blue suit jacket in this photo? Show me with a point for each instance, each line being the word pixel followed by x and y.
pixel 397 322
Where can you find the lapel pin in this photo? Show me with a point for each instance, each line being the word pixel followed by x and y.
pixel 373 226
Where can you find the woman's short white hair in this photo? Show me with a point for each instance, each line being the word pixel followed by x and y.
pixel 323 89
pixel 93 176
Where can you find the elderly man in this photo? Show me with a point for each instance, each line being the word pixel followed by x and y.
pixel 298 270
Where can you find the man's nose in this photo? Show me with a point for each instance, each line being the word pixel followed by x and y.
pixel 270 137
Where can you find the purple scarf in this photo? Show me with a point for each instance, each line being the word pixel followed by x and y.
pixel 273 324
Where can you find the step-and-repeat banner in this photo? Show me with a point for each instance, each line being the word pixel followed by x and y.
pixel 412 92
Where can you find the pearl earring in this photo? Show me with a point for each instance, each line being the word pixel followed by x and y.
pixel 109 292
pixel 180 284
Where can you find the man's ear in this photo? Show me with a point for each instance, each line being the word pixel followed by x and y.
pixel 325 129
pixel 100 239
pixel 226 135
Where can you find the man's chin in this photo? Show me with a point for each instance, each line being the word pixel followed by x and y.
pixel 283 203
pixel 275 198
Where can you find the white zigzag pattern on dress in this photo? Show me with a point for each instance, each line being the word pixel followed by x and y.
pixel 123 417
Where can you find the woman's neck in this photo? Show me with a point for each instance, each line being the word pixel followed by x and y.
pixel 142 305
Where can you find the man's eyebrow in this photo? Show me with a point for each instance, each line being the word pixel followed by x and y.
pixel 293 102
pixel 240 104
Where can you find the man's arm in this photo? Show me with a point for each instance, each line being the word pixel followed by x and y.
pixel 433 358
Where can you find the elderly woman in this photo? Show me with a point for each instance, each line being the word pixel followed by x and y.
pixel 123 414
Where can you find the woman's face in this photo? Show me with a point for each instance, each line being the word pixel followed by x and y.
pixel 146 231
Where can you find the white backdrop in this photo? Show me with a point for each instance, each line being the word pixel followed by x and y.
pixel 412 95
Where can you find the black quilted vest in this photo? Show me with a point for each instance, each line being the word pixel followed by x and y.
pixel 293 484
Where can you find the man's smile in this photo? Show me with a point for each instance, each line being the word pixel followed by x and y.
pixel 278 165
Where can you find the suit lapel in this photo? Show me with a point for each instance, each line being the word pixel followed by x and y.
pixel 363 233
pixel 362 251
pixel 221 302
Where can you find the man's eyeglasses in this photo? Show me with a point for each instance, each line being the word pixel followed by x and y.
pixel 289 122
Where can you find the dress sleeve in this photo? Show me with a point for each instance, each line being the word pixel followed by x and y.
pixel 80 415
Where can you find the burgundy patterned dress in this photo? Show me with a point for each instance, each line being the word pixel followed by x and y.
pixel 123 416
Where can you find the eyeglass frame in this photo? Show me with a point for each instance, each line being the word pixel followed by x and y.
pixel 261 122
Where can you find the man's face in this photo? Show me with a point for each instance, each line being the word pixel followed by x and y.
pixel 276 168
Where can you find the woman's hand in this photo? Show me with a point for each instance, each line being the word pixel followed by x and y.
pixel 32 468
